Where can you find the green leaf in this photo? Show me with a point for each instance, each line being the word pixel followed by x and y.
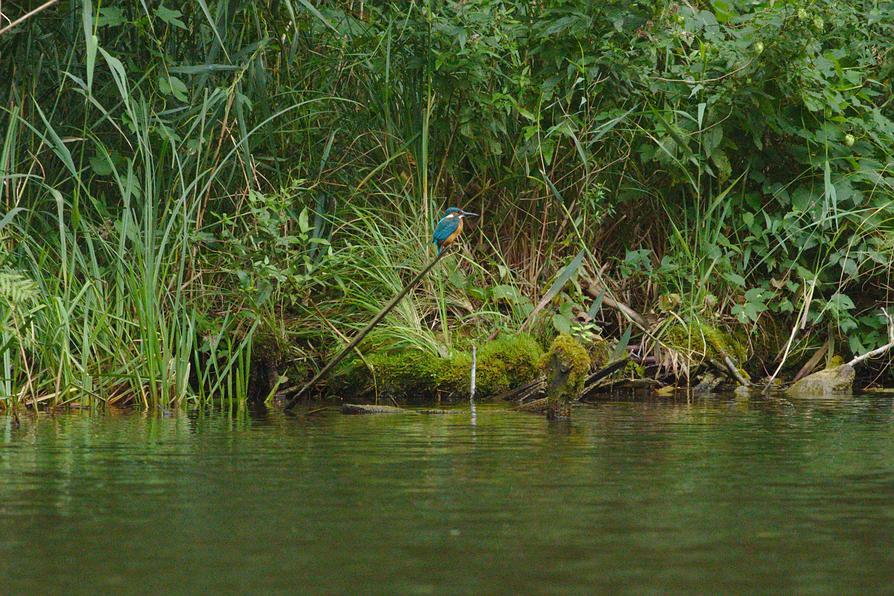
pixel 195 69
pixel 58 145
pixel 173 86
pixel 566 274
pixel 561 323
pixel 110 16
pixel 119 74
pixel 170 16
pixel 91 41
pixel 457 278
pixel 303 221
pixel 4 221
pixel 721 161
pixel 313 10
pixel 506 292
pixel 620 349
pixel 856 345
pixel 526 113
pixel 841 302
pixel 101 165
pixel 597 304
pixel 735 279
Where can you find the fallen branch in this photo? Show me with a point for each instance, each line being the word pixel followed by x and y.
pixel 733 371
pixel 524 392
pixel 375 321
pixel 609 385
pixel 605 371
pixel 878 351
pixel 592 289
pixel 538 406
pixel 801 325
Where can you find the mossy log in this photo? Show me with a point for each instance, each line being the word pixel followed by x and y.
pixel 566 366
pixel 502 364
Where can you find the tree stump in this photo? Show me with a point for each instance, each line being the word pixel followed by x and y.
pixel 566 367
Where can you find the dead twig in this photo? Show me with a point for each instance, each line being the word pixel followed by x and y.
pixel 802 318
pixel 812 363
pixel 28 15
pixel 295 395
pixel 878 351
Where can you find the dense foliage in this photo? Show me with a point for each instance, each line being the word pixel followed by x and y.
pixel 179 181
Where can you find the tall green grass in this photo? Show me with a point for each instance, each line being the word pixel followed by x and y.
pixel 107 200
pixel 177 184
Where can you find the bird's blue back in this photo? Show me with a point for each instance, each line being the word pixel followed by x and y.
pixel 444 229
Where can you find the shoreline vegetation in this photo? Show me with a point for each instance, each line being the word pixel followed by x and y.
pixel 202 204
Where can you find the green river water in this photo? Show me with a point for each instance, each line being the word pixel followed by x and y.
pixel 708 495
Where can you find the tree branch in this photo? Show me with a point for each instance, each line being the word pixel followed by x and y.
pixel 878 351
pixel 28 15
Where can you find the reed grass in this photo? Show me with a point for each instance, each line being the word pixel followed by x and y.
pixel 176 184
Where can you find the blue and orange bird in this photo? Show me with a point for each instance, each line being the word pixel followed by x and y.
pixel 450 227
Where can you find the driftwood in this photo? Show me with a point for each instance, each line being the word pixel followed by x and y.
pixel 596 382
pixel 538 406
pixel 593 289
pixel 618 384
pixel 878 351
pixel 531 397
pixel 727 367
pixel 377 409
pixel 527 392
pixel 604 372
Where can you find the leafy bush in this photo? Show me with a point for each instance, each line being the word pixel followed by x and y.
pixel 283 164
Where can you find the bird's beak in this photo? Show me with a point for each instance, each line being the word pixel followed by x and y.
pixel 470 213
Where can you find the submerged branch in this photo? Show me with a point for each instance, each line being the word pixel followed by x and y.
pixel 733 371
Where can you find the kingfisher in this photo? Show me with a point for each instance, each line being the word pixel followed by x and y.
pixel 450 227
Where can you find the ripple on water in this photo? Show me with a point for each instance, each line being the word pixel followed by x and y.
pixel 721 494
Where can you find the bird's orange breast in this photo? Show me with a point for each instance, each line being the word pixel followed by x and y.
pixel 449 240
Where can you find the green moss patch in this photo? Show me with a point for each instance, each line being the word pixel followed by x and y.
pixel 507 363
pixel 701 337
pixel 572 359
pixel 565 367
pixel 502 364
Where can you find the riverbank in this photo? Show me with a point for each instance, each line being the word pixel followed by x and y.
pixel 206 203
